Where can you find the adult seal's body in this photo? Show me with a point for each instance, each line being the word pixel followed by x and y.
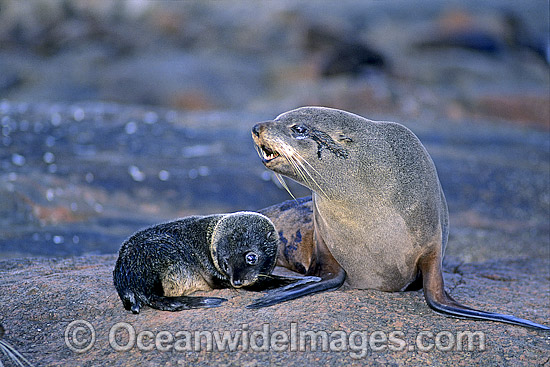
pixel 161 265
pixel 378 208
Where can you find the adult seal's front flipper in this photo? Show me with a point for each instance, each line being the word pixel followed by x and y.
pixel 277 282
pixel 301 287
pixel 325 275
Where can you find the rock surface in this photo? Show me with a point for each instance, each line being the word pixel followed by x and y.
pixel 45 301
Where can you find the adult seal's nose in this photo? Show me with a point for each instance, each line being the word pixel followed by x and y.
pixel 257 129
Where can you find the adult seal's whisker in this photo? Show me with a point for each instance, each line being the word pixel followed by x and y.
pixel 283 183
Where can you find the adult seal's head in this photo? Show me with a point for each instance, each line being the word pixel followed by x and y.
pixel 303 143
pixel 340 155
pixel 243 247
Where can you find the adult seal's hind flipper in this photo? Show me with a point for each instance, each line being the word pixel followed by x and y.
pixel 441 302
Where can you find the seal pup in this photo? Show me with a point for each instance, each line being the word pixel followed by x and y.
pixel 159 266
pixel 378 208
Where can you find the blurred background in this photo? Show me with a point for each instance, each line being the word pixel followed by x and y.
pixel 120 114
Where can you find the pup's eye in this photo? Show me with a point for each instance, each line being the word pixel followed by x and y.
pixel 299 129
pixel 251 258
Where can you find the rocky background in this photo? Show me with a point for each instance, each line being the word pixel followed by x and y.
pixel 116 115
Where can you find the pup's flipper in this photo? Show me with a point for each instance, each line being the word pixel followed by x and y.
pixel 184 302
pixel 133 303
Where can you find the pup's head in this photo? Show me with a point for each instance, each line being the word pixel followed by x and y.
pixel 244 247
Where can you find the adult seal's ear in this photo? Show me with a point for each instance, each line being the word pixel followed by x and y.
pixel 378 210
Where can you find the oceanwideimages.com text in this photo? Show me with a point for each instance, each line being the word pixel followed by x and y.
pixel 80 337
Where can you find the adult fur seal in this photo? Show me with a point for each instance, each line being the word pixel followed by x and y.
pixel 159 266
pixel 378 208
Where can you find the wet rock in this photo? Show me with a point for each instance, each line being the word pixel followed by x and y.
pixel 460 29
pixel 504 31
pixel 94 173
pixel 246 56
pixel 9 79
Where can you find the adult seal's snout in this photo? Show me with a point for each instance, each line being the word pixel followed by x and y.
pixel 256 129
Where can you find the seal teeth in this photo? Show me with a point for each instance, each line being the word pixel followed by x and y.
pixel 268 154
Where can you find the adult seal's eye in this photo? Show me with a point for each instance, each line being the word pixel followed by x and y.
pixel 251 258
pixel 299 130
